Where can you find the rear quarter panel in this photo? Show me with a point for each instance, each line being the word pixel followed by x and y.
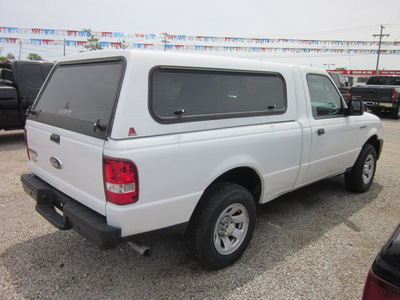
pixel 175 170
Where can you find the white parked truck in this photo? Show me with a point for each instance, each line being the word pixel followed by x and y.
pixel 123 144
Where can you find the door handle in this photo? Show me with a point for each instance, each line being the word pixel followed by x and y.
pixel 321 131
pixel 55 138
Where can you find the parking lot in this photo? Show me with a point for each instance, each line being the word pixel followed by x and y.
pixel 314 243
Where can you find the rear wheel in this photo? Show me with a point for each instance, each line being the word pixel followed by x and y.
pixel 361 176
pixel 375 111
pixel 396 113
pixel 222 225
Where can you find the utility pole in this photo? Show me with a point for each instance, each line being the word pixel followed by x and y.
pixel 379 48
pixel 165 41
pixel 64 47
pixel 20 46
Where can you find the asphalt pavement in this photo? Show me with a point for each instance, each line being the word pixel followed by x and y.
pixel 314 243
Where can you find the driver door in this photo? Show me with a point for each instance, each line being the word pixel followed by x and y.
pixel 333 134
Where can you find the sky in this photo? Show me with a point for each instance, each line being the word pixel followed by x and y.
pixel 286 19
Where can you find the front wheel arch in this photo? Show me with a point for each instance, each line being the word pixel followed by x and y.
pixel 360 177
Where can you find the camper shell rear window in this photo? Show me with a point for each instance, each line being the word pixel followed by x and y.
pixel 81 96
pixel 191 94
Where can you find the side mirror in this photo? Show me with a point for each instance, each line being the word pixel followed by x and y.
pixel 355 108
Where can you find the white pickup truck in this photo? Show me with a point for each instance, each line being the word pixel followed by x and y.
pixel 122 144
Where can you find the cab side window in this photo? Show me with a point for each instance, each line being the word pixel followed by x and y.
pixel 325 99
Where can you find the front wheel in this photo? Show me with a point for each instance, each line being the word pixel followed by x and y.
pixel 222 225
pixel 361 176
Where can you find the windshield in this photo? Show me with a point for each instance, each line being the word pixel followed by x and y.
pixel 384 80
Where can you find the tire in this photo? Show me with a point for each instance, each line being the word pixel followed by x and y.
pixel 361 176
pixel 222 225
pixel 375 111
pixel 396 113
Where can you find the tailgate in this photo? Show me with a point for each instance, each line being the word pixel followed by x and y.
pixel 372 93
pixel 69 123
pixel 70 162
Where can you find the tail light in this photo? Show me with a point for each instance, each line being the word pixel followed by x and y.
pixel 121 181
pixel 394 95
pixel 349 94
pixel 26 143
pixel 379 289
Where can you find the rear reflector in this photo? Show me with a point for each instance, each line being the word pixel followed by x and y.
pixel 121 182
pixel 378 289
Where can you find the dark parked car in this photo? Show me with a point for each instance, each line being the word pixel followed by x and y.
pixel 341 83
pixel 20 82
pixel 383 281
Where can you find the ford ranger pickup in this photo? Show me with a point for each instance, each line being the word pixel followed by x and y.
pixel 124 144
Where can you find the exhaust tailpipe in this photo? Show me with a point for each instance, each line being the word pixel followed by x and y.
pixel 140 248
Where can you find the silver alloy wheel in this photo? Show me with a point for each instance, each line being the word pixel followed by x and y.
pixel 369 168
pixel 231 228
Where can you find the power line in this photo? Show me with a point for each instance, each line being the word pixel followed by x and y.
pixel 329 31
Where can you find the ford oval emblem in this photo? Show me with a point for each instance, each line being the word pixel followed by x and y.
pixel 56 163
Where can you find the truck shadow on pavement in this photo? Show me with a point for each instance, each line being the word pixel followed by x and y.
pixel 65 265
pixel 11 140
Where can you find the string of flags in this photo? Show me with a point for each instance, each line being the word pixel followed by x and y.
pixel 117 40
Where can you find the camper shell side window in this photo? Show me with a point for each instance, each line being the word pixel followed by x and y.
pixel 190 94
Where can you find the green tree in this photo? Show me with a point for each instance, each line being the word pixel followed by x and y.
pixel 8 56
pixel 124 45
pixel 34 56
pixel 93 41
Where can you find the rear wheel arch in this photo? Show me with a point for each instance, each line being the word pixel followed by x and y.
pixel 222 225
pixel 241 183
pixel 243 176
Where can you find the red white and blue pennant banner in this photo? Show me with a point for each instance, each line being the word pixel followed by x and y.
pixel 210 39
pixel 117 40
